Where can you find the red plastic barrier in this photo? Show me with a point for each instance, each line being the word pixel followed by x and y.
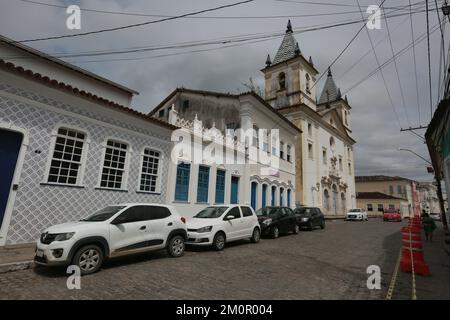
pixel 408 244
pixel 420 266
pixel 411 229
pixel 417 254
pixel 413 237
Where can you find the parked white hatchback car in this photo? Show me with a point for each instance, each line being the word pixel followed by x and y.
pixel 216 225
pixel 112 231
pixel 357 214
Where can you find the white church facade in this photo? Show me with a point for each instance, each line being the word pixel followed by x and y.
pixel 256 169
pixel 324 164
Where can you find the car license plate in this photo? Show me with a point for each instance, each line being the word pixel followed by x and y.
pixel 39 253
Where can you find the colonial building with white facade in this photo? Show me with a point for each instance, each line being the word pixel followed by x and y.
pixel 70 144
pixel 237 177
pixel 324 162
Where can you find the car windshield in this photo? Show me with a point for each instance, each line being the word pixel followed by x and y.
pixel 304 211
pixel 355 210
pixel 103 214
pixel 211 212
pixel 267 211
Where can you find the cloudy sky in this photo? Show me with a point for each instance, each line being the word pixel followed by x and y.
pixel 225 67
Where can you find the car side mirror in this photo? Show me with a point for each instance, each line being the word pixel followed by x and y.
pixel 230 217
pixel 118 220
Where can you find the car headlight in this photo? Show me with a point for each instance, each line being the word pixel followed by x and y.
pixel 267 221
pixel 204 229
pixel 64 236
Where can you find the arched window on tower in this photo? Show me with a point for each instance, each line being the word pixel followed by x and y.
pixel 307 83
pixel 282 80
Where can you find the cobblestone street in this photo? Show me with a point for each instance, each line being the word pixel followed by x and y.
pixel 323 264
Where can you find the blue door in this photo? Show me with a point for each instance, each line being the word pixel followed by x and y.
pixel 272 201
pixel 234 190
pixel 253 196
pixel 281 197
pixel 10 143
pixel 264 196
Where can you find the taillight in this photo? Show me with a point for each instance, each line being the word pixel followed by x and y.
pixel 183 219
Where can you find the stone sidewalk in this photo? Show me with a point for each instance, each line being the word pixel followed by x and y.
pixel 17 257
pixel 437 256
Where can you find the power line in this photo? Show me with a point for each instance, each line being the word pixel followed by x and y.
pixel 442 53
pixel 350 42
pixel 429 60
pixel 396 71
pixel 418 40
pixel 415 62
pixel 195 17
pixel 331 4
pixel 138 24
pixel 354 64
pixel 218 41
pixel 381 72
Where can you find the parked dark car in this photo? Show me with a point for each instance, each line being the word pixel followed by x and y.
pixel 310 217
pixel 277 220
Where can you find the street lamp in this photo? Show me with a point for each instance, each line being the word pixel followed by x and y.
pixel 408 150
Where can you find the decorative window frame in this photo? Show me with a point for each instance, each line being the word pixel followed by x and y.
pixel 159 173
pixel 209 182
pixel 324 152
pixel 174 197
pixel 310 154
pixel 224 170
pixel 289 153
pixel 51 151
pixel 126 168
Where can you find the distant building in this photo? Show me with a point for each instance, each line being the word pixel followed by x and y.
pixel 70 144
pixel 428 197
pixel 325 163
pixel 376 202
pixel 395 186
pixel 234 178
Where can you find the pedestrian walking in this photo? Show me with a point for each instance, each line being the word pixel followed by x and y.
pixel 428 226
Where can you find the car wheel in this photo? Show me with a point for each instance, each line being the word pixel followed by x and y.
pixel 219 241
pixel 88 258
pixel 175 247
pixel 256 236
pixel 275 232
pixel 322 225
pixel 296 229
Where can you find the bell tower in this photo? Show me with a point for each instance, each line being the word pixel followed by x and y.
pixel 289 77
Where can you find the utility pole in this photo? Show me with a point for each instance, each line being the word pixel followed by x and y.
pixel 439 189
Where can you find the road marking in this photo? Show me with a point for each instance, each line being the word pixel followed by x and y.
pixel 413 290
pixel 394 277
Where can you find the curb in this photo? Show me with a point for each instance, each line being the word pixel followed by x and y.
pixel 16 266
